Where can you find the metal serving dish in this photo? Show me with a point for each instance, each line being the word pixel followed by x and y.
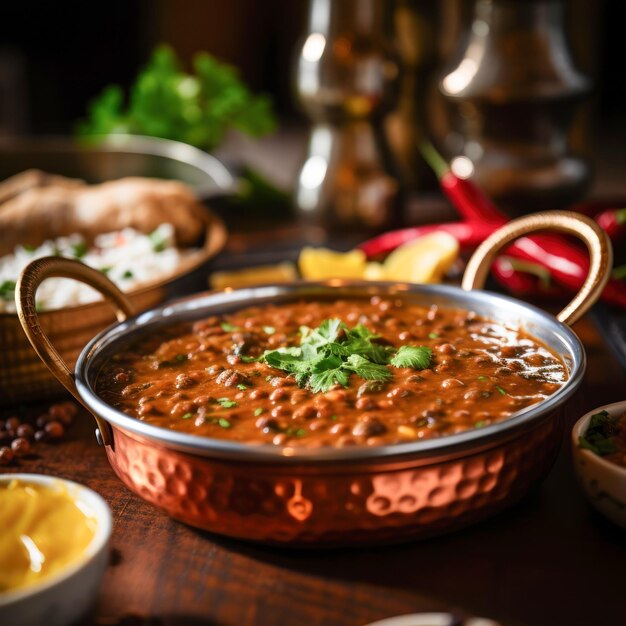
pixel 22 375
pixel 302 496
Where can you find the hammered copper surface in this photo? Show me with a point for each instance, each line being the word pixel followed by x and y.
pixel 339 503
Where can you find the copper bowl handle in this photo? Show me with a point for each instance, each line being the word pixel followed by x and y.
pixel 581 226
pixel 30 279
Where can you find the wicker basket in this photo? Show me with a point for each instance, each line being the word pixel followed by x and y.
pixel 24 377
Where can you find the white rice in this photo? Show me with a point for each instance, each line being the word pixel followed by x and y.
pixel 129 258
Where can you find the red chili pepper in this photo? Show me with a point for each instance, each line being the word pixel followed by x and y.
pixel 524 278
pixel 568 264
pixel 613 222
pixel 470 201
pixel 468 234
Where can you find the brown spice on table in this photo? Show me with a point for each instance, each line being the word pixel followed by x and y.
pixel 18 436
pixel 192 377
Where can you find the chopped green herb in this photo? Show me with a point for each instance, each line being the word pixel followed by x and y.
pixel 296 432
pixel 483 378
pixel 159 242
pixel 79 250
pixel 268 378
pixel 29 247
pixel 227 403
pixel 619 272
pixel 228 328
pixel 480 424
pixel 181 358
pixel 329 354
pixel 269 330
pixel 187 416
pixel 224 423
pixel 334 418
pixel 197 107
pixel 127 274
pixel 598 436
pixel 433 336
pixel 417 357
pixel 105 270
pixel 242 387
pixel 258 411
pixel 7 290
pixel 501 391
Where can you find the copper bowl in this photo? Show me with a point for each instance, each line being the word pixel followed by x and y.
pixel 300 496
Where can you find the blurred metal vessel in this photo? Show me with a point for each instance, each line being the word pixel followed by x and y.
pixel 115 156
pixel 345 77
pixel 516 91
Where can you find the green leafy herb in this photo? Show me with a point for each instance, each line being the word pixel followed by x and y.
pixel 159 242
pixel 599 434
pixel 181 358
pixel 433 336
pixel 480 424
pixel 329 354
pixel 229 328
pixel 242 387
pixel 105 270
pixel 258 411
pixel 483 378
pixel 79 250
pixel 619 272
pixel 224 423
pixel 501 391
pixel 269 330
pixel 127 274
pixel 167 102
pixel 7 290
pixel 187 416
pixel 227 403
pixel 29 247
pixel 334 418
pixel 417 357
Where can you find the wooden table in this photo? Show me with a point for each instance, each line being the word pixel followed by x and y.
pixel 549 561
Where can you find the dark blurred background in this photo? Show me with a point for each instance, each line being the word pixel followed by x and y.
pixel 56 57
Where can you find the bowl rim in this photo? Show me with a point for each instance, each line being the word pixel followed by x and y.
pixel 203 303
pixel 98 543
pixel 581 426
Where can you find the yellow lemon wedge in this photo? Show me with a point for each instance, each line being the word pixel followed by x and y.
pixel 322 263
pixel 424 260
pixel 248 277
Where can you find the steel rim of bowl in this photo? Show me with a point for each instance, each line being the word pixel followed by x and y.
pixel 209 303
pixel 99 541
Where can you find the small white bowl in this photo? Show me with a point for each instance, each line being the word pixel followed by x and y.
pixel 65 596
pixel 431 619
pixel 603 482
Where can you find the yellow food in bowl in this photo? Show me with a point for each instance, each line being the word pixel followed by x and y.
pixel 44 530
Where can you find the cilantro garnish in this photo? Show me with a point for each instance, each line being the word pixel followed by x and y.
pixel 598 436
pixel 187 416
pixel 79 250
pixel 501 390
pixel 412 356
pixel 242 387
pixel 224 423
pixel 159 241
pixel 258 411
pixel 433 336
pixel 229 328
pixel 329 354
pixel 7 290
pixel 227 403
